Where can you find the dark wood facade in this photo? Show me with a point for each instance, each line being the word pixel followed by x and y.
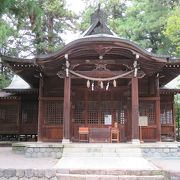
pixel 18 117
pixel 125 83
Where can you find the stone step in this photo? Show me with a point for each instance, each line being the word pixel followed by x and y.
pixel 101 152
pixel 107 177
pixel 101 149
pixel 100 155
pixel 113 172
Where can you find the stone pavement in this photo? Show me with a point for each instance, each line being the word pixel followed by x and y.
pixel 169 164
pixel 8 159
pixel 48 166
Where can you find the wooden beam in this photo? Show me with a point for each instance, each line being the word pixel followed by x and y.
pixel 149 98
pixel 51 98
pixel 135 109
pixel 67 109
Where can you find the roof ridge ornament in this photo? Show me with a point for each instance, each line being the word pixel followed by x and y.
pixel 98 23
pixel 99 15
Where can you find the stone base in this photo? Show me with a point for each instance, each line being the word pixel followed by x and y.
pixel 66 141
pixel 58 150
pixel 135 141
pixel 39 150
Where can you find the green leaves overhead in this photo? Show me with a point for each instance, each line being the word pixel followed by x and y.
pixel 172 30
pixel 141 21
pixel 31 27
pixel 39 25
pixel 5 32
pixel 4 81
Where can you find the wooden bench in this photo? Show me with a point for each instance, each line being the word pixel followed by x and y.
pixel 114 135
pixel 83 134
pixel 99 135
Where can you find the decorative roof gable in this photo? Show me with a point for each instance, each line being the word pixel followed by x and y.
pixel 98 24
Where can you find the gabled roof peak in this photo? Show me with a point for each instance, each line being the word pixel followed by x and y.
pixel 98 15
pixel 98 24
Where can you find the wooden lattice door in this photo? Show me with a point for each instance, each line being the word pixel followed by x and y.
pixel 91 111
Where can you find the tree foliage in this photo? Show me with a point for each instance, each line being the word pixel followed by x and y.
pixel 37 24
pixel 5 76
pixel 4 81
pixel 32 27
pixel 172 30
pixel 5 29
pixel 141 21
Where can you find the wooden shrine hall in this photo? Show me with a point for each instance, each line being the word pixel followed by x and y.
pixel 98 88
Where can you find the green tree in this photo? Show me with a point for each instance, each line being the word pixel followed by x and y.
pixel 142 21
pixel 172 30
pixel 32 27
pixel 38 26
pixel 4 81
pixel 5 29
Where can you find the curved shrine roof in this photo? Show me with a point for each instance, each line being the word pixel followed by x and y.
pixel 98 40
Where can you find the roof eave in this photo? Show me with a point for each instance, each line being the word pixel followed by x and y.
pixel 7 59
pixel 101 38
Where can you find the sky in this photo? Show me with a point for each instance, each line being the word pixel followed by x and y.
pixel 76 5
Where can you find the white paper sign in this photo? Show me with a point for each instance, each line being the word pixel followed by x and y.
pixel 143 121
pixel 108 119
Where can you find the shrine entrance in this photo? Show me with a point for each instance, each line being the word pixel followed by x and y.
pixel 100 109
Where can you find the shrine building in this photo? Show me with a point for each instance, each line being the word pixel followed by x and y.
pixel 95 86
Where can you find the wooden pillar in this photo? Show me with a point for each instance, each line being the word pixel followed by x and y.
pixel 129 119
pixel 135 110
pixel 158 111
pixel 158 120
pixel 174 116
pixel 40 110
pixel 67 110
pixel 86 108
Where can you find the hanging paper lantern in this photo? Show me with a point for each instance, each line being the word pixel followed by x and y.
pixel 92 86
pixel 88 83
pixel 135 72
pixel 67 72
pixel 66 56
pixel 101 85
pixel 137 56
pixel 107 86
pixel 114 83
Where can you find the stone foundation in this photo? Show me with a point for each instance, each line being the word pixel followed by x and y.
pixel 56 150
pixel 23 174
pixel 161 151
pixel 38 150
pixel 55 174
